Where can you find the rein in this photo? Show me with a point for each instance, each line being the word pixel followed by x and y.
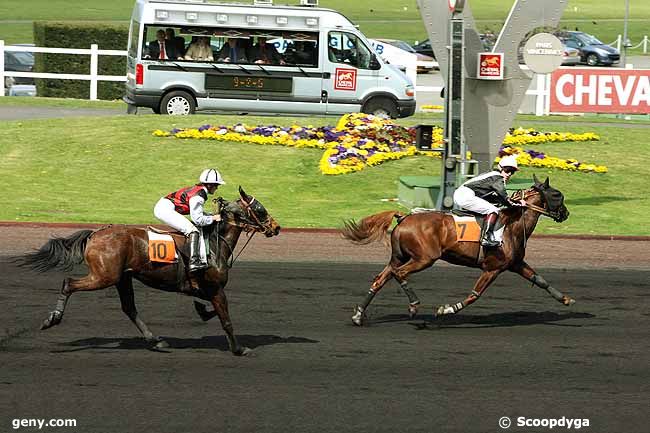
pixel 524 195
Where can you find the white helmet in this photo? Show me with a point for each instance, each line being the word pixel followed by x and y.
pixel 210 175
pixel 509 161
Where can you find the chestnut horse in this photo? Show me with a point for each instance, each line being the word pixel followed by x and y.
pixel 420 239
pixel 117 254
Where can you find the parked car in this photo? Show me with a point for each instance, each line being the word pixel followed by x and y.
pixel 424 63
pixel 18 61
pixel 592 51
pixel 424 47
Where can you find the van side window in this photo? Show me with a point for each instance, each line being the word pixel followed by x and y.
pixel 347 48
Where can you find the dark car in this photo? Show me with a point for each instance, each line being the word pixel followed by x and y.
pixel 18 61
pixel 424 47
pixel 592 51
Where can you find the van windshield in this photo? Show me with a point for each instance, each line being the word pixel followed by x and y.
pixel 230 45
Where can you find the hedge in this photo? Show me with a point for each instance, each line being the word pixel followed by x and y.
pixel 71 34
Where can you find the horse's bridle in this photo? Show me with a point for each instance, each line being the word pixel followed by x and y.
pixel 525 194
pixel 252 223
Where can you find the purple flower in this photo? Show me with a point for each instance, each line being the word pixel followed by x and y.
pixel 204 127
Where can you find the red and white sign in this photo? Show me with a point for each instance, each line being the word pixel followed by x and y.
pixel 490 66
pixel 583 90
pixel 345 79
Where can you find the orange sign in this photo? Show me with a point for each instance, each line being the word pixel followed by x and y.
pixel 345 79
pixel 467 229
pixel 162 248
pixel 490 66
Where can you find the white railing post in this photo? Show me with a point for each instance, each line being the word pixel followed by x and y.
pixel 2 66
pixel 93 71
pixel 540 94
pixel 645 44
pixel 547 91
pixel 618 42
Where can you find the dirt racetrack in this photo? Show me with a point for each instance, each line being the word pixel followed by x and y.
pixel 515 353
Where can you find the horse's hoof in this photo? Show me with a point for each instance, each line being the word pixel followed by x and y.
pixel 53 319
pixel 443 310
pixel 357 318
pixel 413 311
pixel 161 344
pixel 568 301
pixel 243 351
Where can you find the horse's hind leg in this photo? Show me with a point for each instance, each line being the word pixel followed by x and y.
pixel 98 278
pixel 529 273
pixel 483 282
pixel 127 299
pixel 220 304
pixel 379 281
pixel 56 315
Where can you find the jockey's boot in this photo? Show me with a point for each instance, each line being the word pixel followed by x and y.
pixel 195 254
pixel 488 240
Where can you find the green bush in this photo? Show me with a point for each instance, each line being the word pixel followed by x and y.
pixel 72 34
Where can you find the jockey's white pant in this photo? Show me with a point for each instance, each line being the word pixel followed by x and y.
pixel 165 212
pixel 465 198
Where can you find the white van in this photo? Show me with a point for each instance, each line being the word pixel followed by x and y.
pixel 253 58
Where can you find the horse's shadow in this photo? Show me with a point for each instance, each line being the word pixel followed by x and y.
pixel 496 320
pixel 218 342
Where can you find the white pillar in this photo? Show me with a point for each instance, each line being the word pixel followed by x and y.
pixel 618 43
pixel 540 94
pixel 93 71
pixel 2 66
pixel 645 44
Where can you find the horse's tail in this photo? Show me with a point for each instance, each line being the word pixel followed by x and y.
pixel 62 253
pixel 371 228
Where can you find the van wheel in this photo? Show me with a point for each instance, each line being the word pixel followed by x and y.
pixel 177 103
pixel 381 107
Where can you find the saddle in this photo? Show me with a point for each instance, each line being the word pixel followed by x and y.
pixel 470 226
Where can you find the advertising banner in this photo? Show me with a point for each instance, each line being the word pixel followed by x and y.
pixel 610 90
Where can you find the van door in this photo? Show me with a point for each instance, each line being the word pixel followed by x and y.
pixel 347 76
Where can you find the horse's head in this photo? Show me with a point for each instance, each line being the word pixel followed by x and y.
pixel 552 200
pixel 249 214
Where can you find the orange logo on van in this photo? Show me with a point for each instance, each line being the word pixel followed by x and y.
pixel 345 79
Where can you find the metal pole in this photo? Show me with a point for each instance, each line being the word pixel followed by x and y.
pixel 626 42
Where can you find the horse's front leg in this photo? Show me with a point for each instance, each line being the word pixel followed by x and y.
pixel 529 273
pixel 379 281
pixel 220 304
pixel 484 281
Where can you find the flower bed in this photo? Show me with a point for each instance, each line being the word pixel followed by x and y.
pixel 360 140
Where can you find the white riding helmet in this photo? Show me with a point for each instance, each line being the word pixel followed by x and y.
pixel 509 161
pixel 210 175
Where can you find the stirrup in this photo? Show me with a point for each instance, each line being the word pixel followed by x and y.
pixel 490 243
pixel 196 266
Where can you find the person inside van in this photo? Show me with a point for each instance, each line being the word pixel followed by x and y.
pixel 200 50
pixel 177 41
pixel 265 53
pixel 160 49
pixel 232 52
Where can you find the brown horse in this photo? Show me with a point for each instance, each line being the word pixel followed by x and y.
pixel 420 239
pixel 117 254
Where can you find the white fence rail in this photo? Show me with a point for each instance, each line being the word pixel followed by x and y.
pixel 618 43
pixel 94 52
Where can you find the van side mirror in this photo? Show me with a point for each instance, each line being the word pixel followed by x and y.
pixel 374 63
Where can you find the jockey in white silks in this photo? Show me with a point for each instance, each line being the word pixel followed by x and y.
pixel 480 194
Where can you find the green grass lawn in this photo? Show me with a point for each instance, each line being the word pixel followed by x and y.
pixel 380 18
pixel 112 170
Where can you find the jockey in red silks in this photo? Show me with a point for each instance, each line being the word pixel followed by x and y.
pixel 189 201
pixel 481 193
